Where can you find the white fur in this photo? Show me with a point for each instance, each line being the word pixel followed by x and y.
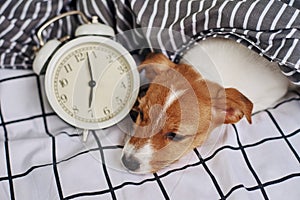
pixel 172 96
pixel 143 155
pixel 170 99
pixel 232 65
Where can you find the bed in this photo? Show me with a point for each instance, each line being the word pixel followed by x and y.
pixel 44 158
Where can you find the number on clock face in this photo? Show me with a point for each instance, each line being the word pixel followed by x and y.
pixel 92 82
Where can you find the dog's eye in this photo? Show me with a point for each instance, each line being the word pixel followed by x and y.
pixel 143 90
pixel 141 115
pixel 135 112
pixel 174 137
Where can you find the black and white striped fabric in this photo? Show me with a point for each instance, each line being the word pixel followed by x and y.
pixel 270 27
pixel 41 157
pixel 19 21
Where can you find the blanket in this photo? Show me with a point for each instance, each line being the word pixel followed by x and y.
pixel 269 27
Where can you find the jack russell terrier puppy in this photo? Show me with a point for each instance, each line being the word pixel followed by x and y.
pixel 183 104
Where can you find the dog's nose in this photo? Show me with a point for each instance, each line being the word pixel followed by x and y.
pixel 130 162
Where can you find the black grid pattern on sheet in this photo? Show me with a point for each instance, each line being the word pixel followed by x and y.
pixel 9 178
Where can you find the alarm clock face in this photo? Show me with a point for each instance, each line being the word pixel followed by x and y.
pixel 92 83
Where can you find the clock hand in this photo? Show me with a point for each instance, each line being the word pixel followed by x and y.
pixel 92 82
pixel 91 97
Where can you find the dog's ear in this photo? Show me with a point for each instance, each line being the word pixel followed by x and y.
pixel 158 58
pixel 237 106
pixel 230 105
pixel 154 64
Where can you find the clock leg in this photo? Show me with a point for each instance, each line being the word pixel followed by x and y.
pixel 85 135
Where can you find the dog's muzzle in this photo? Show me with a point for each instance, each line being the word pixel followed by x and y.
pixel 131 163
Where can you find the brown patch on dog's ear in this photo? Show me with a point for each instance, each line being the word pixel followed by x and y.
pixel 230 105
pixel 158 58
pixel 237 106
pixel 154 64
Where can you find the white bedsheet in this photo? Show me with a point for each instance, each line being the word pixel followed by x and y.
pixel 43 158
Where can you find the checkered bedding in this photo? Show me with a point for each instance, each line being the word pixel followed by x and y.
pixel 43 158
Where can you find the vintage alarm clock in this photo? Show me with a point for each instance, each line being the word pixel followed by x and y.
pixel 91 81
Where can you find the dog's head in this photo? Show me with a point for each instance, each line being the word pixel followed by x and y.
pixel 176 114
